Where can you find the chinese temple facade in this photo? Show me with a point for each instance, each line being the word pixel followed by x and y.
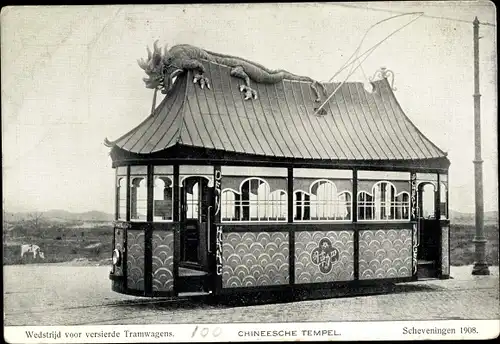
pixel 216 194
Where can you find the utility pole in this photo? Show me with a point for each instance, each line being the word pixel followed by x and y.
pixel 480 265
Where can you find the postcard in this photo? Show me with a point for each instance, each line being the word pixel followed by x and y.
pixel 250 172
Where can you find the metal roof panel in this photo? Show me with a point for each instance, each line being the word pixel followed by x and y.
pixel 358 125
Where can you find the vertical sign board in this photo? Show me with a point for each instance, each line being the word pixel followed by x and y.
pixel 413 217
pixel 218 229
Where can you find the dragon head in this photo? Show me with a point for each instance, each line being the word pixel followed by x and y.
pixel 159 69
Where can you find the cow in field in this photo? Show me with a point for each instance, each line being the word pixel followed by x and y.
pixel 35 249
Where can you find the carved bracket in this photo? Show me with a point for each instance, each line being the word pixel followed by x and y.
pixel 384 73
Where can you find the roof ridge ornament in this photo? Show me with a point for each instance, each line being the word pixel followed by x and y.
pixel 384 73
pixel 161 69
pixel 108 143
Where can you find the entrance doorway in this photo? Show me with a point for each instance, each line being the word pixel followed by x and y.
pixel 195 207
pixel 429 233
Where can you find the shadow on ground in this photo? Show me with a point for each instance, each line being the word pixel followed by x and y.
pixel 261 298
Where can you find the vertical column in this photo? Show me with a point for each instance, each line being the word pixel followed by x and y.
pixel 117 195
pixel 437 199
pixel 354 213
pixel 127 217
pixel 117 209
pixel 125 232
pixel 480 265
pixel 291 231
pixel 176 228
pixel 148 235
pixel 437 213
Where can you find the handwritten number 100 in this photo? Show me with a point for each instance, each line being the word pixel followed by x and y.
pixel 205 330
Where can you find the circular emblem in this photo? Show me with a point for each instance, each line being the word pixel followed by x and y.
pixel 325 255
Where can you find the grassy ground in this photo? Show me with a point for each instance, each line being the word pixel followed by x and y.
pixel 95 244
pixel 462 247
pixel 62 245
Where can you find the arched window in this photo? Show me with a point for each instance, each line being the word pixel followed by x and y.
pixel 402 206
pixel 121 187
pixel 277 205
pixel 254 202
pixel 384 194
pixel 322 203
pixel 302 209
pixel 344 206
pixel 230 206
pixel 323 200
pixel 427 199
pixel 138 199
pixel 192 200
pixel 162 199
pixel 384 203
pixel 365 206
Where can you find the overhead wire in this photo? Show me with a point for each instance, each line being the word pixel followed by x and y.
pixel 364 37
pixel 367 53
pixel 425 15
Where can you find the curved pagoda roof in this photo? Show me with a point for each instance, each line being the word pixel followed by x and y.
pixel 358 125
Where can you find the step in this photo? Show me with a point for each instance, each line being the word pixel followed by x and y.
pixel 426 271
pixel 195 293
pixel 196 283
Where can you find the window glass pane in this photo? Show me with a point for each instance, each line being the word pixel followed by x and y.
pixel 163 198
pixel 121 171
pixel 427 202
pixel 384 203
pixel 138 198
pixel 138 170
pixel 383 175
pixel 196 170
pixel 256 200
pixel 192 199
pixel 168 170
pixel 322 199
pixel 121 189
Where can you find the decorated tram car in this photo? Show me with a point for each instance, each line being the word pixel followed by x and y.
pixel 218 194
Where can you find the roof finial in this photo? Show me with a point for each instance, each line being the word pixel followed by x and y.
pixel 384 73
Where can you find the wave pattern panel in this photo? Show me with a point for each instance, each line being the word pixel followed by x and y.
pixel 324 256
pixel 135 259
pixel 163 261
pixel 385 253
pixel 255 259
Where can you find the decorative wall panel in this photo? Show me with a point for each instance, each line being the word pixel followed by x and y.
pixel 135 259
pixel 163 261
pixel 385 253
pixel 254 259
pixel 324 256
pixel 119 242
pixel 445 258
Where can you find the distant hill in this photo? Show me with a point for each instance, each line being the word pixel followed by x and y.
pixel 62 215
pixel 470 218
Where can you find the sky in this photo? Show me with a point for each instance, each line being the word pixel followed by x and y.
pixel 70 79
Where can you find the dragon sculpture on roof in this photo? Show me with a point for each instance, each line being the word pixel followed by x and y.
pixel 162 68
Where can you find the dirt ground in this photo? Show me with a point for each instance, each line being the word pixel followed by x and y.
pixel 78 294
